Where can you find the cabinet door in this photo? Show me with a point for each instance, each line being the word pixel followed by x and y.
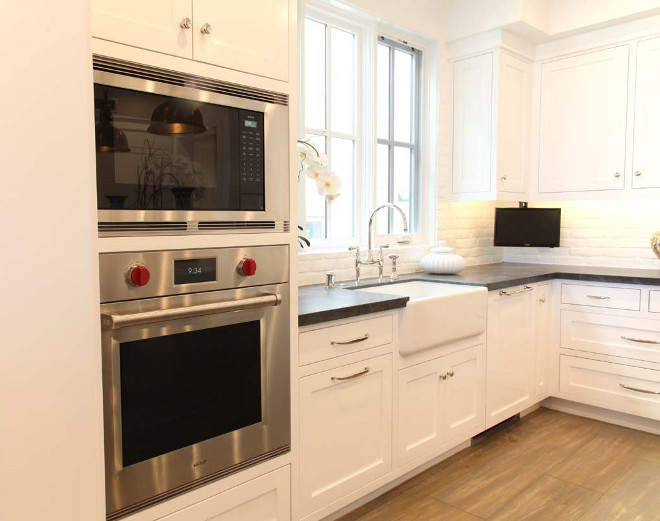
pixel 420 407
pixel 473 121
pixel 583 122
pixel 149 24
pixel 266 498
pixel 345 430
pixel 542 333
pixel 510 354
pixel 646 153
pixel 242 36
pixel 463 405
pixel 513 124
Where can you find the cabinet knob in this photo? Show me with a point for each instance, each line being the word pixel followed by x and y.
pixel 638 173
pixel 503 178
pixel 542 299
pixel 443 376
pixel 206 29
pixel 450 373
pixel 617 174
pixel 186 23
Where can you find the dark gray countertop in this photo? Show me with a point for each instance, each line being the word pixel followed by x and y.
pixel 317 304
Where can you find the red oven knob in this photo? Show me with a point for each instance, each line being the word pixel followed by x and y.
pixel 138 275
pixel 247 267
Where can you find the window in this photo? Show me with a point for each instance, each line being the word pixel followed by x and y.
pixel 366 118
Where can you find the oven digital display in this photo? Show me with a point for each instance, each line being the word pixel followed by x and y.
pixel 191 271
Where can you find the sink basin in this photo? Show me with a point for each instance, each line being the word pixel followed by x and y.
pixel 437 313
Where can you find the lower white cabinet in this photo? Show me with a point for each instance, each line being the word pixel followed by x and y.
pixel 511 353
pixel 439 401
pixel 619 387
pixel 345 430
pixel 266 498
pixel 542 338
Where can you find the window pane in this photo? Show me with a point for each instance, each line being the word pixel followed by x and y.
pixel 383 91
pixel 314 203
pixel 342 76
pixel 342 163
pixel 402 166
pixel 382 187
pixel 402 96
pixel 314 74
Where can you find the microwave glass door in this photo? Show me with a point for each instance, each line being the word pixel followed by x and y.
pixel 184 388
pixel 158 152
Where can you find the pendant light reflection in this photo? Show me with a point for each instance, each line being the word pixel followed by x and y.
pixel 176 118
pixel 109 139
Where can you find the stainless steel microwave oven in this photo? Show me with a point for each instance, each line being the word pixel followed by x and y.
pixel 178 153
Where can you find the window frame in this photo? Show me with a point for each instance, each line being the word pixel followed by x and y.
pixel 368 31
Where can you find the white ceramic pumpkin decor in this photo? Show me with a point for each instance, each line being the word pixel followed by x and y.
pixel 443 260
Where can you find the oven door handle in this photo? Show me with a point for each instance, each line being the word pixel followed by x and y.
pixel 114 321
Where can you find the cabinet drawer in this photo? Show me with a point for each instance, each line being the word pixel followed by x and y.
pixel 634 338
pixel 654 301
pixel 334 341
pixel 623 388
pixel 266 498
pixel 601 296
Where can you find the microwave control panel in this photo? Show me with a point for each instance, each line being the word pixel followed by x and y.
pixel 251 136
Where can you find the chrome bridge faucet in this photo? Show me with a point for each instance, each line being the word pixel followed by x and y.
pixel 371 258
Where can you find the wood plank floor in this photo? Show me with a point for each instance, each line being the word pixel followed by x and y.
pixel 549 466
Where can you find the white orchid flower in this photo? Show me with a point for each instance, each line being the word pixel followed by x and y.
pixel 314 171
pixel 328 184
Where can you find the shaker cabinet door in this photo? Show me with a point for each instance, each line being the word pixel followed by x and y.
pixel 345 430
pixel 582 141
pixel 473 121
pixel 646 153
pixel 242 36
pixel 155 25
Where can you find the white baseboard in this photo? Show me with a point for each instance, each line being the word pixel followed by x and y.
pixel 604 415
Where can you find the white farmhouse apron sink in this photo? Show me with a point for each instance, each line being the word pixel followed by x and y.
pixel 436 313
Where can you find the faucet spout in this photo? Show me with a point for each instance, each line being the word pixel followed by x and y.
pixel 371 221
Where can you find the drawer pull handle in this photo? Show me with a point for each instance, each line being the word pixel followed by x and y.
pixel 348 342
pixel 350 376
pixel 641 340
pixel 638 390
pixel 598 297
pixel 523 290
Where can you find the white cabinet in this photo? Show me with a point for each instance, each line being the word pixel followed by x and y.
pixel 646 153
pixel 440 400
pixel 491 126
pixel 149 24
pixel 582 142
pixel 345 430
pixel 242 36
pixel 511 353
pixel 234 35
pixel 266 498
pixel 473 120
pixel 542 337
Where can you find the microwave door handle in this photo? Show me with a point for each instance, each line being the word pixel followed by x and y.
pixel 116 321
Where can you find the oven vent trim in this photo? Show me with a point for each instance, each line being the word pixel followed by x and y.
pixel 142 226
pixel 181 79
pixel 236 225
pixel 196 484
pixel 114 229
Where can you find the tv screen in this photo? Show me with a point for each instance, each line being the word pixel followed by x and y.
pixel 527 227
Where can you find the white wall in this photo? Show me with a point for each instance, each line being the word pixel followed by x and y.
pixel 570 15
pixel 50 401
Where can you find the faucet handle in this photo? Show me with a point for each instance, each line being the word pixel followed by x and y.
pixel 393 257
pixel 381 248
pixel 394 276
pixel 354 248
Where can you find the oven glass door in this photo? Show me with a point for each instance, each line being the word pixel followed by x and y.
pixel 156 152
pixel 180 389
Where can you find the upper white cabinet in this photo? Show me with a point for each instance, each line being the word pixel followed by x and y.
pixel 491 127
pixel 646 153
pixel 243 36
pixel 157 25
pixel 582 141
pixel 473 132
pixel 234 35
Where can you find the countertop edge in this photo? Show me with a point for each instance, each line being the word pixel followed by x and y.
pixel 319 317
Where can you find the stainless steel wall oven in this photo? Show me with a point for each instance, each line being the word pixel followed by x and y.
pixel 178 153
pixel 195 368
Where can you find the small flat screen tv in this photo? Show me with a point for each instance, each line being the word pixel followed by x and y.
pixel 527 227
